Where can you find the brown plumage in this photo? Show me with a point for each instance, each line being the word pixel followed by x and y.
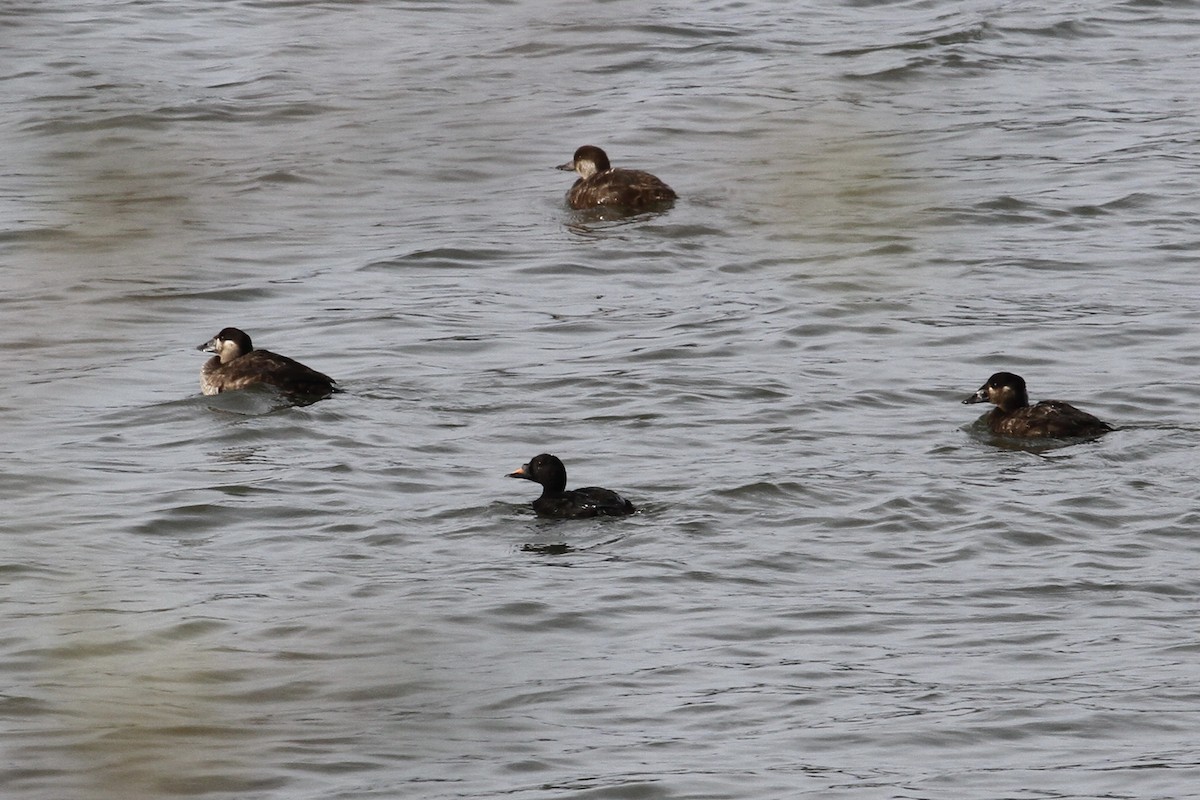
pixel 237 365
pixel 1013 416
pixel 600 185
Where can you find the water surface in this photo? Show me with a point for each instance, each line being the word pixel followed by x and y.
pixel 836 585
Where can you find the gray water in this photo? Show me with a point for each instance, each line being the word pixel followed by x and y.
pixel 836 586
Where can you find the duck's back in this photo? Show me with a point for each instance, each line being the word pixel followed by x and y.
pixel 590 501
pixel 263 366
pixel 620 188
pixel 1049 419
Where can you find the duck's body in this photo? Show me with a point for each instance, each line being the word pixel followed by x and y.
pixel 557 501
pixel 1049 419
pixel 600 185
pixel 238 365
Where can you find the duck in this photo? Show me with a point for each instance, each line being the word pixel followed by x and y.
pixel 238 365
pixel 1049 419
pixel 602 185
pixel 557 502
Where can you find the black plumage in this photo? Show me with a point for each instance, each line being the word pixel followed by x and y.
pixel 557 501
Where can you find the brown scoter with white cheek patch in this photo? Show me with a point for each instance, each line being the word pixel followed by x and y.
pixel 237 365
pixel 556 501
pixel 601 185
pixel 1050 419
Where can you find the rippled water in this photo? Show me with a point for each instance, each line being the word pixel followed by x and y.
pixel 836 585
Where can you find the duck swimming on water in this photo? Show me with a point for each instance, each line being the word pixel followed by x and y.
pixel 602 185
pixel 556 501
pixel 238 365
pixel 1013 416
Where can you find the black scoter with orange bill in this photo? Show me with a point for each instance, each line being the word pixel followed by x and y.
pixel 556 501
